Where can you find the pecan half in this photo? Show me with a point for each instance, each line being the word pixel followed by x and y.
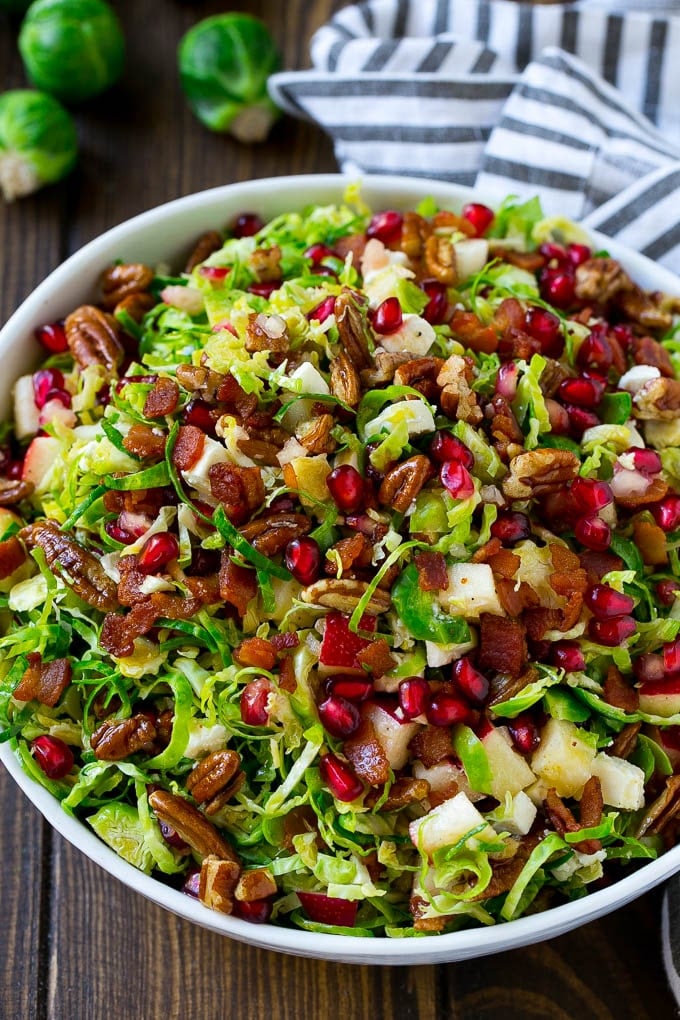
pixel 260 451
pixel 345 383
pixel 117 739
pixel 207 243
pixel 415 231
pixel 121 281
pixel 191 826
pixel 402 483
pixel 643 309
pixel 13 490
pixel 44 681
pixel 266 263
pixel 538 472
pixel 269 535
pixel 266 333
pixel 421 374
pixel 78 568
pixel 211 782
pixel 344 594
pixel 257 884
pixel 352 330
pixel 440 259
pixel 600 279
pixel 93 338
pixel 658 399
pixel 386 364
pixel 458 400
pixel 135 305
pixel 647 351
pixel 217 883
pixel 315 435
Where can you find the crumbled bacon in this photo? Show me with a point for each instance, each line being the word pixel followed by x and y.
pixel 538 620
pixel 472 332
pixel 367 755
pixel 231 393
pixel 355 551
pixel 284 641
pixel 487 550
pixel 206 589
pixel 563 821
pixel 255 651
pixel 377 658
pixel 402 792
pixel 130 590
pixel 287 679
pixel 240 490
pixel 118 632
pixel 162 398
pixel 515 599
pixel 238 585
pixel 625 742
pixel 647 351
pixel 597 564
pixel 618 693
pixel 188 447
pixel 44 681
pixel 141 441
pixel 504 563
pixel 12 555
pixel 432 572
pixel 502 644
pixel 432 744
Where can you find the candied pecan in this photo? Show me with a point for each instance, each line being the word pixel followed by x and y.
pixel 12 555
pixel 201 380
pixel 402 483
pixel 446 221
pixel 255 651
pixel 190 825
pixel 647 351
pixel 44 681
pixel 162 398
pixel 457 399
pixel 531 261
pixel 266 263
pixel 270 535
pixel 344 382
pixel 376 658
pixel 642 309
pixel 206 245
pixel 77 567
pixel 135 305
pixel 117 739
pixel 658 399
pixel 367 755
pixel 663 809
pixel 238 585
pixel 355 551
pixel 344 594
pixel 119 282
pixel 130 590
pixel 93 338
pixel 432 572
pixel 655 491
pixel 141 441
pixel 266 333
pixel 315 435
pixel 626 741
pixel 552 375
pixel 212 775
pixel 506 434
pixel 13 490
pixel 256 884
pixel 260 451
pixel 618 693
pixel 287 678
pixel 472 332
pixel 415 231
pixel 352 330
pixel 651 541
pixel 440 259
pixel 230 392
pixel 188 448
pixel 502 644
pixel 538 472
pixel 421 374
pixel 599 279
pixel 174 607
pixel 431 745
pixel 217 883
pixel 238 489
pixel 385 366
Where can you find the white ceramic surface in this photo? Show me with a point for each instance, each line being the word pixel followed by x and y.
pixel 167 233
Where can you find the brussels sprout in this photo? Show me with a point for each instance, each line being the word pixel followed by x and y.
pixel 224 64
pixel 38 142
pixel 73 49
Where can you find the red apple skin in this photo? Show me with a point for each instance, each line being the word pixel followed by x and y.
pixel 329 909
pixel 669 685
pixel 340 646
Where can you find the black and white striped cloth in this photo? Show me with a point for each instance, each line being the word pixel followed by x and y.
pixel 579 103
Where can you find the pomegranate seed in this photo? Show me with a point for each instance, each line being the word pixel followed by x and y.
pixel 666 592
pixel 254 702
pixel 645 460
pixel 435 311
pixel 340 778
pixel 582 392
pixel 385 226
pixel 545 327
pixel 667 513
pixel 54 757
pixel 578 253
pixel 45 381
pixel 317 252
pixel 347 488
pixel 303 558
pixel 118 534
pixel 595 353
pixel 580 419
pixel 557 287
pixel 326 271
pixel 192 882
pixel 387 317
pixel 255 911
pixel 171 837
pixel 506 380
pixel 568 656
pixel 670 737
pixel 340 717
pixel 157 552
pixel 323 310
pixel 52 337
pixel 511 526
pixel 247 224
pixel 649 668
pixel 623 335
pixel 446 709
pixel 593 533
pixel 591 495
pixel 63 396
pixel 217 273
pixel 554 253
pixel 524 733
pixel 348 687
pixel 671 656
pixel 612 632
pixel 472 684
pixel 605 602
pixel 444 447
pixel 224 324
pixel 414 696
pixel 14 469
pixel 457 479
pixel 480 216
pixel 200 414
pixel 264 290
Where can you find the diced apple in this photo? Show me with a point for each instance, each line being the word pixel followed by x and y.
pixel 622 782
pixel 509 771
pixel 197 476
pixel 441 655
pixel 472 254
pixel 394 734
pixel 637 376
pixel 307 475
pixel 7 518
pixel 448 823
pixel 26 414
pixel 417 416
pixel 39 460
pixel 661 697
pixel 340 645
pixel 471 591
pixel 415 335
pixel 519 819
pixel 563 760
pixel 55 411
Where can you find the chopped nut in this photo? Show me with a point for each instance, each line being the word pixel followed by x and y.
pixel 266 263
pixel 257 884
pixel 414 233
pixel 440 259
pixel 344 594
pixel 13 490
pixel 345 383
pixel 117 739
pixel 270 535
pixel 217 883
pixel 658 399
pixel 135 305
pixel 207 243
pixel 78 568
pixel 93 338
pixel 315 435
pixel 191 826
pixel 600 279
pixel 540 471
pixel 352 330
pixel 266 333
pixel 119 282
pixel 12 555
pixel 402 483
pixel 212 776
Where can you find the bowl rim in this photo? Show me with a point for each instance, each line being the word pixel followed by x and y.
pixel 464 944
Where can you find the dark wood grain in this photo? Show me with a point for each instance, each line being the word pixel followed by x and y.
pixel 77 945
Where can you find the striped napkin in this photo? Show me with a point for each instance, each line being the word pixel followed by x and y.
pixel 577 103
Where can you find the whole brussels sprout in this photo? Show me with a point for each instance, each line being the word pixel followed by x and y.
pixel 72 48
pixel 38 142
pixel 224 64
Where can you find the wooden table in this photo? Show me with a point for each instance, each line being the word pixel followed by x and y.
pixel 76 944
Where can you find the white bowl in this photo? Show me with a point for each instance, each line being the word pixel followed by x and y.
pixel 166 233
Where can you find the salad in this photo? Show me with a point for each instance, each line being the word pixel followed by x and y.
pixel 339 570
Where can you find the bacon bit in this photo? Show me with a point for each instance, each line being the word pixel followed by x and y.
pixel 509 315
pixel 506 872
pixel 656 490
pixel 597 564
pixel 142 441
pixel 282 642
pixel 377 658
pixel 538 621
pixel 287 680
pixel 367 755
pixel 188 447
pixel 618 693
pixel 131 579
pixel 625 742
pixel 563 821
pixel 432 744
pixel 240 490
pixel 445 218
pixel 44 681
pixel 513 599
pixel 651 541
pixel 162 398
pixel 118 632
pixel 298 822
pixel 205 589
pixel 563 559
pixel 502 644
pixel 504 563
pixel 663 810
pixel 238 585
pixel 355 551
pixel 174 607
pixel 472 333
pixel 256 651
pixel 432 572
pixel 591 804
pixel 404 791
pixel 12 555
pixel 231 392
pixel 647 351
pixel 490 548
